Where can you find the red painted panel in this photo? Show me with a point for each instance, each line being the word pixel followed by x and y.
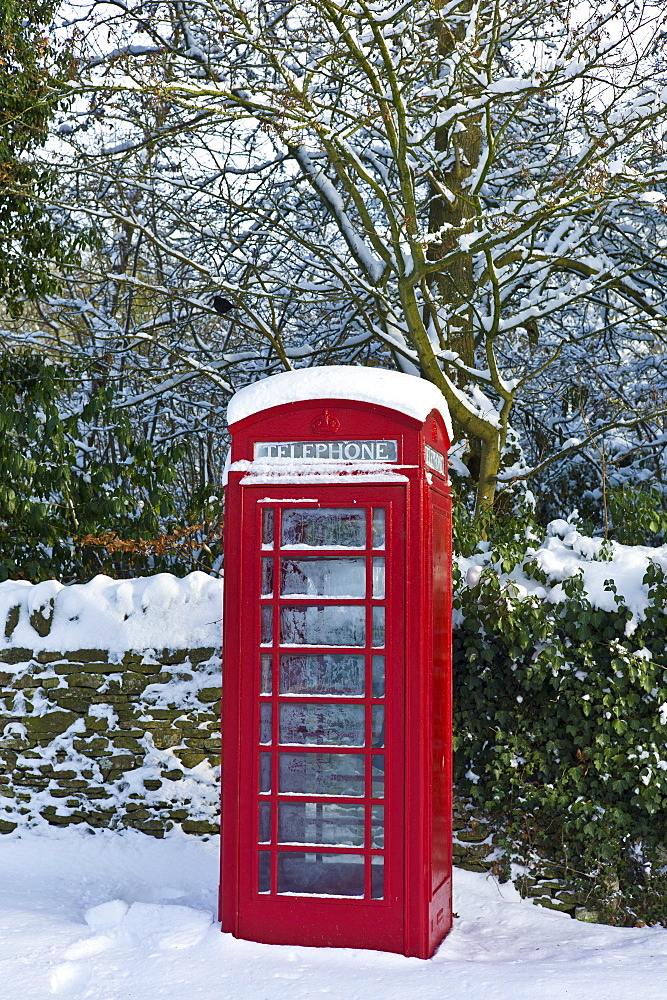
pixel 280 917
pixel 440 716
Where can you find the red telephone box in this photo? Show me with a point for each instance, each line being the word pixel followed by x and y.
pixel 336 771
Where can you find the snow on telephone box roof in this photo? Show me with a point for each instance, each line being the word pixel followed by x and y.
pixel 408 394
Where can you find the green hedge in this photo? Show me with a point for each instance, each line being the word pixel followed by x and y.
pixel 560 729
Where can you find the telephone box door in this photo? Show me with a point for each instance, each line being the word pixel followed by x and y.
pixel 321 726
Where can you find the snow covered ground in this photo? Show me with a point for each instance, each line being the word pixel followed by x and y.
pixel 124 917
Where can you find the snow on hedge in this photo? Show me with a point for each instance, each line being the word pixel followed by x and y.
pixel 564 553
pixel 155 612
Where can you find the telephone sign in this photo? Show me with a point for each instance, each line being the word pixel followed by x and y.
pixel 336 787
pixel 328 451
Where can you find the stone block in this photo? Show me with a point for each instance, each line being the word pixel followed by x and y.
pixel 132 656
pixel 135 811
pixel 36 781
pixel 126 742
pixel 588 916
pixel 549 885
pixel 6 826
pixel 94 792
pixel 553 904
pixel 134 683
pixel 71 700
pixel 50 682
pixel 201 655
pixel 175 774
pixel 16 654
pixel 190 758
pixel 147 669
pixel 12 619
pixel 26 683
pixel 100 819
pixel 209 694
pixel 170 657
pixel 126 715
pixel 95 725
pixel 14 743
pixel 91 745
pixel 565 896
pixel 88 681
pixel 199 826
pixel 44 657
pixel 98 667
pixel 476 836
pixel 152 784
pixel 52 722
pixel 86 655
pixel 41 618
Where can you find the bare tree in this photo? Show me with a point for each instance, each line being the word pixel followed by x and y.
pixel 437 185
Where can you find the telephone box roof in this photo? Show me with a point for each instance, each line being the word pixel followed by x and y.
pixel 406 393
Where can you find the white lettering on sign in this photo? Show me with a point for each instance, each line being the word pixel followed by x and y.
pixel 434 459
pixel 329 451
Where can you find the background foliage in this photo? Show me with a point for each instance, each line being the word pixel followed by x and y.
pixel 561 722
pixel 81 490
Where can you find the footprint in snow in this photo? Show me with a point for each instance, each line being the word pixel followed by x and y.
pixel 149 926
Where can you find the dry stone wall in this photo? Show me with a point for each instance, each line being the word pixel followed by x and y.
pixel 109 703
pixel 110 741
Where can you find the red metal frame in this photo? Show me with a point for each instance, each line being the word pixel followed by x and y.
pixel 415 913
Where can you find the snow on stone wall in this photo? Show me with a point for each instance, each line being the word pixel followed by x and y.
pixel 109 703
pixel 154 612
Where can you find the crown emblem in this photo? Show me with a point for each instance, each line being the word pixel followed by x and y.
pixel 326 423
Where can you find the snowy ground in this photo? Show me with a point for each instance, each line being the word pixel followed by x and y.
pixel 125 917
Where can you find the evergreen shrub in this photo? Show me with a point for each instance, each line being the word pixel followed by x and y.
pixel 561 722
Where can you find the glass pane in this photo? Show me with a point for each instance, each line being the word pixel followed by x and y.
pixel 323 673
pixel 267 576
pixel 377 878
pixel 323 725
pixel 329 528
pixel 265 822
pixel 378 528
pixel 266 671
pixel 265 716
pixel 265 772
pixel 377 776
pixel 329 823
pixel 377 826
pixel 378 725
pixel 267 626
pixel 324 625
pixel 378 676
pixel 321 874
pixel 267 527
pixel 378 577
pixel 264 871
pixel 321 773
pixel 335 577
pixel 378 627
